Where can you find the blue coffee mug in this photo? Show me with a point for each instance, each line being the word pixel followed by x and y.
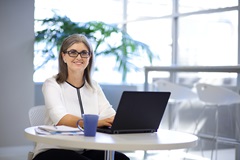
pixel 90 122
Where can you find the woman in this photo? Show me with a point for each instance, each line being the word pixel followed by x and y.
pixel 71 93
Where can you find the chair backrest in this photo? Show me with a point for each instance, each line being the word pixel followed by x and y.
pixel 216 95
pixel 36 115
pixel 178 92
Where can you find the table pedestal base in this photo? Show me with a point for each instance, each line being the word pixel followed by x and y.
pixel 109 155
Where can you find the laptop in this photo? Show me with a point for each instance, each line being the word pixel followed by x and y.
pixel 138 112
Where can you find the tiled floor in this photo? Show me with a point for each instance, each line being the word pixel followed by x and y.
pixel 228 154
pixel 20 153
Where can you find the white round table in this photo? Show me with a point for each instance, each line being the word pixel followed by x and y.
pixel 161 140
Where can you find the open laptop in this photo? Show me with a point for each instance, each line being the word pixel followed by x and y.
pixel 138 112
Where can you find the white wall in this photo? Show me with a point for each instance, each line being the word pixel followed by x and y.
pixel 16 69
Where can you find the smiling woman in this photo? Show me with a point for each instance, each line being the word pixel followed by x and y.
pixel 71 94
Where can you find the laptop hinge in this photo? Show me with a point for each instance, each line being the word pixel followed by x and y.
pixel 135 131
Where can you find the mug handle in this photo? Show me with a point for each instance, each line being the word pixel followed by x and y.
pixel 79 127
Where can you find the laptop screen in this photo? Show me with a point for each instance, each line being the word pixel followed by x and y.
pixel 140 111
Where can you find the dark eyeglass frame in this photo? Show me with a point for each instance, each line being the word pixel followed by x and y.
pixel 74 53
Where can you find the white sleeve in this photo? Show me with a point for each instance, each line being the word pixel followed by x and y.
pixel 105 108
pixel 53 100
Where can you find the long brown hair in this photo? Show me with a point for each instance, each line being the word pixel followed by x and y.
pixel 68 42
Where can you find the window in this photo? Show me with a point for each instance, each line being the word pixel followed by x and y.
pixel 202 31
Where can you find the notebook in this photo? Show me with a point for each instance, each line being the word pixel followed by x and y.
pixel 138 112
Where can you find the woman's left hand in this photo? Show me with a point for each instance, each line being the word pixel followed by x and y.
pixel 106 122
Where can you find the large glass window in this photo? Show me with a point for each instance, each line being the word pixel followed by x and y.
pixel 208 30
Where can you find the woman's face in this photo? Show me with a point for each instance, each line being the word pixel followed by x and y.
pixel 76 64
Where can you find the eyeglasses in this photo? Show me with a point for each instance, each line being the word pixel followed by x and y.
pixel 74 53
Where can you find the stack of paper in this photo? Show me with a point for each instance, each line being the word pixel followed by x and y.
pixel 53 130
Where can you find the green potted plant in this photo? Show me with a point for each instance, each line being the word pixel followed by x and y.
pixel 107 40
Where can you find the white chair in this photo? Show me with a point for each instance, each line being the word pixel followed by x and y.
pixel 179 93
pixel 216 96
pixel 36 117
